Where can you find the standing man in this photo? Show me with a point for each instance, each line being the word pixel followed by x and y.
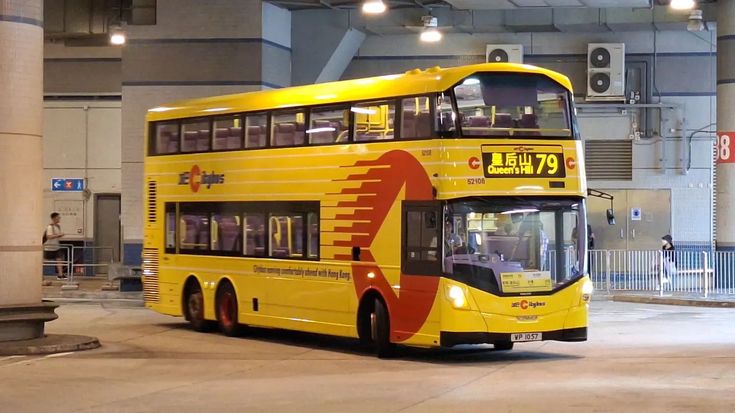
pixel 52 249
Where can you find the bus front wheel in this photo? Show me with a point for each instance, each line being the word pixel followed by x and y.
pixel 380 330
pixel 227 310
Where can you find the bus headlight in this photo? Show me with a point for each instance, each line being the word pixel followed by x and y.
pixel 587 289
pixel 457 297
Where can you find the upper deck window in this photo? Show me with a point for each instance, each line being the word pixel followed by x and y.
pixel 513 105
pixel 167 138
pixel 416 118
pixel 287 129
pixel 374 121
pixel 329 125
pixel 196 135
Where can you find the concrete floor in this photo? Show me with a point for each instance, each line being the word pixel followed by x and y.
pixel 640 358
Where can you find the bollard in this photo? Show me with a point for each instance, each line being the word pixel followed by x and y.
pixel 607 271
pixel 705 273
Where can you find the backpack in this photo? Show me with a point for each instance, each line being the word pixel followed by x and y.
pixel 45 237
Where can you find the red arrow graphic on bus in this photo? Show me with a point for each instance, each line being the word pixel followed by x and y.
pixel 378 192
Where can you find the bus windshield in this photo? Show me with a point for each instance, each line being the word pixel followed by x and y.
pixel 515 245
pixel 513 104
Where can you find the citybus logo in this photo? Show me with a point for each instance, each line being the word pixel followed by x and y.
pixel 525 304
pixel 195 178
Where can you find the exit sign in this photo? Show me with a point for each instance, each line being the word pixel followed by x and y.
pixel 67 184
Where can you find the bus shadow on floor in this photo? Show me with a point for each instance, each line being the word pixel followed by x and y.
pixel 484 353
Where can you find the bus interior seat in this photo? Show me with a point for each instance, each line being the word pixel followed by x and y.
pixel 299 135
pixel 203 141
pixel 173 143
pixel 228 233
pixel 423 125
pixel 190 141
pixel 408 125
pixel 325 136
pixel 190 233
pixel 234 140
pixel 284 134
pixel 221 135
pixel 255 137
pixel 529 121
pixel 480 125
pixel 505 121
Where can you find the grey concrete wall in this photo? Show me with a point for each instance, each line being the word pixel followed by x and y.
pixel 81 70
pixel 196 49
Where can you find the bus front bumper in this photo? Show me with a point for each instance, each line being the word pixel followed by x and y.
pixel 451 338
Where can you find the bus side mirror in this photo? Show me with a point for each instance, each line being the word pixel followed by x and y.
pixel 610 216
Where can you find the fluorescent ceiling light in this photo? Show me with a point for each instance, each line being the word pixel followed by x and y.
pixel 519 211
pixel 373 7
pixel 364 111
pixel 682 4
pixel 317 130
pixel 430 35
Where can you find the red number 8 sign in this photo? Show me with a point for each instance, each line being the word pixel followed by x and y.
pixel 725 147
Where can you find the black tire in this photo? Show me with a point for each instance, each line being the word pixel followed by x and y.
pixel 503 345
pixel 194 308
pixel 227 310
pixel 380 330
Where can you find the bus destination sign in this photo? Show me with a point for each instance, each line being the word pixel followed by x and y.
pixel 520 161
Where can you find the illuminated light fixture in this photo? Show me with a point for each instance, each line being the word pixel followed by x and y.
pixel 117 36
pixel 430 33
pixel 371 275
pixel 471 81
pixel 363 111
pixel 519 211
pixel 374 7
pixel 696 22
pixel 682 4
pixel 317 130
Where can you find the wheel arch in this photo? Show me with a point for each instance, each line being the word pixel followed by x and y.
pixel 366 305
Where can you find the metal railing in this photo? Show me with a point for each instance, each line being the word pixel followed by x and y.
pixel 82 260
pixel 664 272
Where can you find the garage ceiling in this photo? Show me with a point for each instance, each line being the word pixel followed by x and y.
pixel 474 4
pixel 516 4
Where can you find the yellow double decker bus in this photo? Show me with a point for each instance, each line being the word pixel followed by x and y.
pixel 432 208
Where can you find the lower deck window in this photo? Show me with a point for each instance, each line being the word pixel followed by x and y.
pixel 253 229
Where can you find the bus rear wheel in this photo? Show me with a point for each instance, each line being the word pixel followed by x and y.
pixel 227 310
pixel 380 330
pixel 194 306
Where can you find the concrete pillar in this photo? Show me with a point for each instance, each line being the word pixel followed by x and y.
pixel 726 125
pixel 21 100
pixel 195 49
pixel 342 56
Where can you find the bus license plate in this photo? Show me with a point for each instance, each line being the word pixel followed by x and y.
pixel 521 337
